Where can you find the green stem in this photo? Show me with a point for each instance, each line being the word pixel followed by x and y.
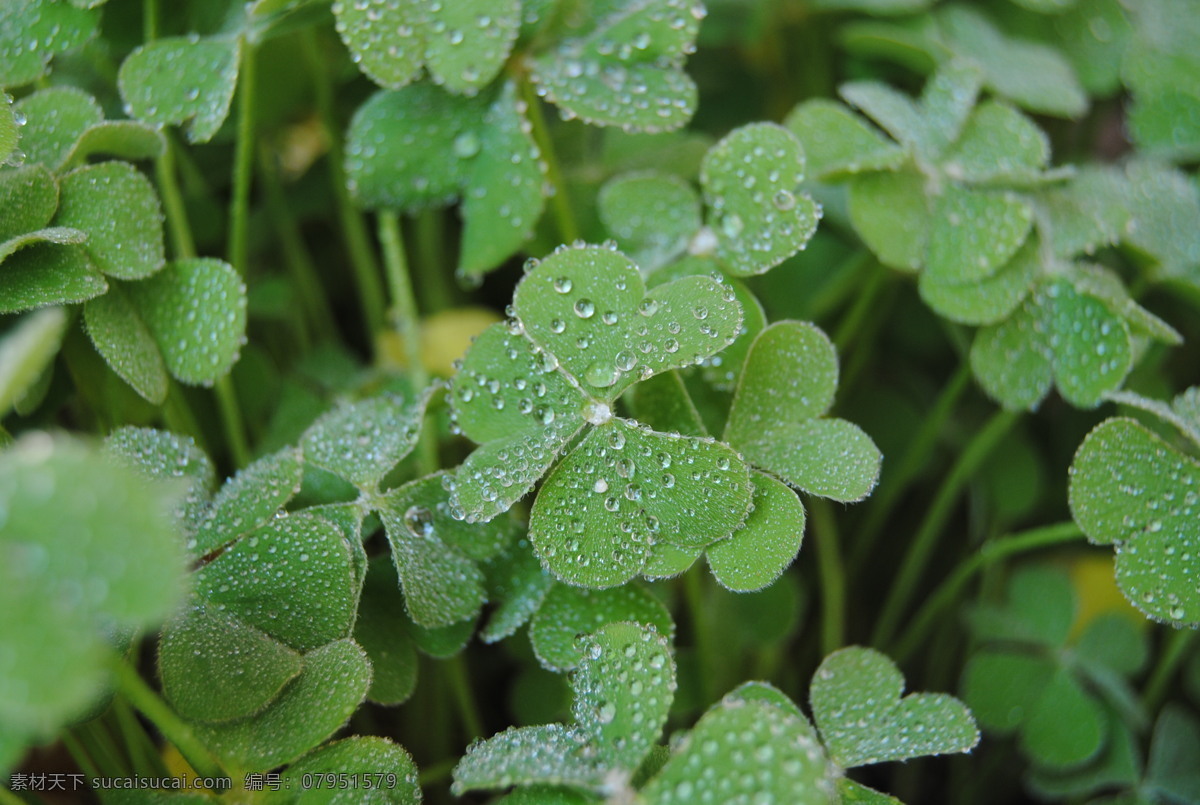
pixel 437 772
pixel 847 278
pixel 135 739
pixel 431 261
pixel 921 549
pixel 173 728
pixel 182 244
pixel 231 420
pixel 295 254
pixel 1175 652
pixel 178 416
pixel 102 748
pixel 693 590
pixel 564 217
pixel 991 552
pixel 77 753
pixel 863 306
pixel 464 699
pixel 832 576
pixel 354 231
pixel 915 456
pixel 243 165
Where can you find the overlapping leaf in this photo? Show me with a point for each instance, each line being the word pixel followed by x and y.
pixel 31 33
pixel 1131 489
pixel 420 146
pixel 65 125
pixel 622 692
pixel 387 770
pixel 856 701
pixel 568 612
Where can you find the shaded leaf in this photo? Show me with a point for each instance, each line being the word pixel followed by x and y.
pixel 127 246
pixel 33 31
pixel 180 80
pixel 758 553
pixel 26 351
pixel 47 273
pixel 367 759
pixel 126 344
pixel 55 119
pixel 569 612
pixel 363 440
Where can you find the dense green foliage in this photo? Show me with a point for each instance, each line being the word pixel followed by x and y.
pixel 281 495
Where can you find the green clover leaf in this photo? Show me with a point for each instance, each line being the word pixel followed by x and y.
pixel 777 418
pixel 34 32
pixel 383 632
pixel 622 691
pixel 64 126
pixel 567 612
pixel 1033 678
pixel 623 67
pixel 420 146
pixel 1129 489
pixel 584 331
pixel 359 757
pixel 856 702
pixel 26 352
pixel 150 86
pixel 463 45
pixel 756 216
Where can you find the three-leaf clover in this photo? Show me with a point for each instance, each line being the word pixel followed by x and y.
pixel 1131 489
pixel 1033 678
pixel 584 330
pixel 756 216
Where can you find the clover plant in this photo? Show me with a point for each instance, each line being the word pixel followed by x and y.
pixel 375 375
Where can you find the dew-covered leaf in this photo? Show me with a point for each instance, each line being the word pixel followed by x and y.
pixel 569 612
pixel 328 690
pixel 501 472
pixel 623 688
pixel 1085 213
pixel 652 215
pixel 467 42
pixel 125 343
pixel 742 749
pixel 552 754
pixel 196 311
pixel 788 381
pixel 250 499
pixel 856 701
pixel 989 300
pixel 893 111
pixel 127 246
pixel 47 273
pixel 123 139
pixel 1165 218
pixel 998 142
pixel 10 132
pixel 625 488
pixel 1031 75
pixel 291 578
pixel 758 553
pixel 1129 487
pixel 503 197
pixel 26 351
pixel 518 585
pixel 382 631
pixel 164 455
pixel 361 441
pixel 59 235
pixel 441 584
pixel 55 119
pixel 412 148
pixel 385 38
pixel 974 233
pixel 625 71
pixel 442 642
pixel 181 80
pixel 891 215
pixel 216 668
pixel 1011 362
pixel 28 198
pixel 839 143
pixel 369 759
pixel 853 793
pixel 750 181
pixel 587 307
pixel 33 31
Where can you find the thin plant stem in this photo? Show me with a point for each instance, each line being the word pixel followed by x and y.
pixel 99 749
pixel 354 230
pixel 832 576
pixel 1173 653
pixel 693 590
pixel 864 305
pixel 437 772
pixel 991 552
pixel 847 278
pixel 150 20
pixel 231 420
pixel 134 737
pixel 564 217
pixel 173 728
pixel 431 261
pixel 464 699
pixel 243 165
pixel 915 456
pixel 295 254
pixel 77 753
pixel 178 417
pixel 920 551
